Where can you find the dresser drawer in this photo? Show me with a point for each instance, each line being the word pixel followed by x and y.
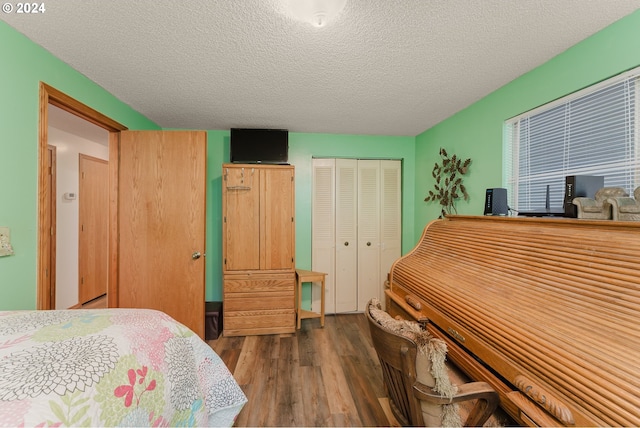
pixel 259 283
pixel 274 300
pixel 243 323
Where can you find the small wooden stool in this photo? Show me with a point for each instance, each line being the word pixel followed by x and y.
pixel 309 276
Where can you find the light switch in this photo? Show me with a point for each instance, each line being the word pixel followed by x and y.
pixel 5 242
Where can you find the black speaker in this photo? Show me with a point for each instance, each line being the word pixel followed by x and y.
pixel 580 186
pixel 495 202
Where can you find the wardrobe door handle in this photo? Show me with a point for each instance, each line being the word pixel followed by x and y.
pixel 368 244
pixel 346 243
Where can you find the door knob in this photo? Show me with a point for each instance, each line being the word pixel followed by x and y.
pixel 368 244
pixel 346 243
pixel 196 255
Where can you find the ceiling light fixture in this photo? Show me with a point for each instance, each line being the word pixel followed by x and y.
pixel 315 12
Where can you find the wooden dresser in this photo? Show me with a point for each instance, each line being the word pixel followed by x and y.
pixel 545 310
pixel 258 249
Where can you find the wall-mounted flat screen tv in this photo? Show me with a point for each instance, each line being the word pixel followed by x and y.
pixel 250 145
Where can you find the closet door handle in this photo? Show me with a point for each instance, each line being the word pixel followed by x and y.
pixel 368 244
pixel 196 255
pixel 346 243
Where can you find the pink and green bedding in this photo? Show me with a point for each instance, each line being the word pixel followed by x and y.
pixel 110 367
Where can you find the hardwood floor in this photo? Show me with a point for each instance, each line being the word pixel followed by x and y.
pixel 317 377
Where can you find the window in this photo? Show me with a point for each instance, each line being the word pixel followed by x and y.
pixel 590 132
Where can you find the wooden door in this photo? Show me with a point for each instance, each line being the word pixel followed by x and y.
pixel 93 224
pixel 162 223
pixel 277 243
pixel 241 217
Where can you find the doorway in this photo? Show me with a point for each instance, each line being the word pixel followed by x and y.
pixel 77 143
pixel 174 184
pixel 46 286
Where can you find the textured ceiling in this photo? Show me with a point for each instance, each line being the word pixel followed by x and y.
pixel 382 67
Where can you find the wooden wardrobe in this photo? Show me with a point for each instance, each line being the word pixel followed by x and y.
pixel 258 249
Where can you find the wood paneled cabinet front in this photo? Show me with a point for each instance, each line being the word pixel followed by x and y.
pixel 258 249
pixel 259 303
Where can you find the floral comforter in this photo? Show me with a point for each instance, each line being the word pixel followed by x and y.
pixel 110 367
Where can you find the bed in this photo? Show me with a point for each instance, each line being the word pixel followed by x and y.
pixel 110 367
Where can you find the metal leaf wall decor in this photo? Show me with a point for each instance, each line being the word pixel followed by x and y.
pixel 448 187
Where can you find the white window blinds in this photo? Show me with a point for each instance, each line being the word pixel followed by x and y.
pixel 591 132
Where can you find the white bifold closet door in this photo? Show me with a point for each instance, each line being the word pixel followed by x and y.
pixel 369 243
pixel 356 229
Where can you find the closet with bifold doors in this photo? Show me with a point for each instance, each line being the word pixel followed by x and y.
pixel 356 228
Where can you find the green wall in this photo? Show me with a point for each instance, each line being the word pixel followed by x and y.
pixel 302 149
pixel 476 132
pixel 23 64
pixel 217 154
